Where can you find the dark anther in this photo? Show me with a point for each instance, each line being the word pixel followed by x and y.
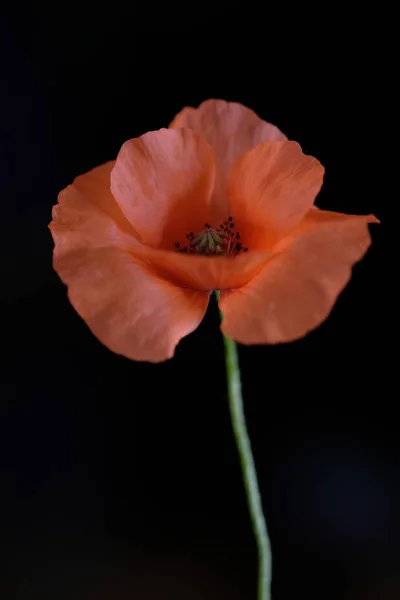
pixel 245 249
pixel 238 236
pixel 177 245
pixel 185 249
pixel 238 246
pixel 222 226
pixel 191 234
pixel 230 219
pixel 232 234
pixel 207 225
pixel 232 225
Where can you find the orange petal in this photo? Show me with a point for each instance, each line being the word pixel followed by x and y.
pixel 127 306
pixel 163 182
pixel 297 289
pixel 316 217
pixel 231 129
pixel 87 215
pixel 205 273
pixel 271 188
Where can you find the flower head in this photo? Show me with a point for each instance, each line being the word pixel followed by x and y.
pixel 219 201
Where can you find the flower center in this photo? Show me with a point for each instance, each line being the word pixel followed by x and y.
pixel 220 241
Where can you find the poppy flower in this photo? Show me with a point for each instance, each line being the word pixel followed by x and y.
pixel 220 200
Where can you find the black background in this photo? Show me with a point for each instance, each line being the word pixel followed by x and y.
pixel 121 479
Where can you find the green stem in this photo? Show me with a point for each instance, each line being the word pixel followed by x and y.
pixel 249 472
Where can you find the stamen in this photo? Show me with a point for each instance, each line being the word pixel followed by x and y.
pixel 222 241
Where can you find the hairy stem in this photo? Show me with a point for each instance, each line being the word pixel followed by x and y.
pixel 249 472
